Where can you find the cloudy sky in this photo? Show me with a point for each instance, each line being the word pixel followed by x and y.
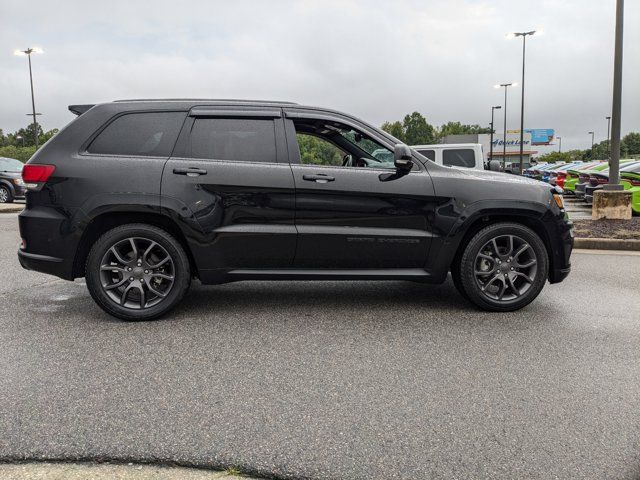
pixel 376 59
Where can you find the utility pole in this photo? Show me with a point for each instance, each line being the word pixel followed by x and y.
pixel 608 138
pixel 28 53
pixel 559 144
pixel 497 107
pixel 592 152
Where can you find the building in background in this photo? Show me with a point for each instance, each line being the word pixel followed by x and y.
pixel 512 154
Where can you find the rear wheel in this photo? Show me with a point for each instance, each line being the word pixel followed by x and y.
pixel 5 194
pixel 503 267
pixel 137 272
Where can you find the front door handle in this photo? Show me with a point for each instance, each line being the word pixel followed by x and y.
pixel 319 178
pixel 190 171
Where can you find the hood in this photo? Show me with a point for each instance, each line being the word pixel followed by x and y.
pixel 502 177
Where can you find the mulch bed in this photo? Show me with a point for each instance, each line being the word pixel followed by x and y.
pixel 623 229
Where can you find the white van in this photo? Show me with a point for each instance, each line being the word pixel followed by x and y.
pixel 464 155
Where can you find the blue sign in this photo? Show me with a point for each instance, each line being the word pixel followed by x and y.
pixel 541 136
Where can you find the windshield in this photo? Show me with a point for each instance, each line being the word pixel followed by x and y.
pixel 10 165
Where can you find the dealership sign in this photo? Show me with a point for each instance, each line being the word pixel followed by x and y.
pixel 539 136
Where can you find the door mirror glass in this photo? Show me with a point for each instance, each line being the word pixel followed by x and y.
pixel 402 157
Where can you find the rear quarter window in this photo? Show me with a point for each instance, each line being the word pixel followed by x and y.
pixel 149 134
pixel 459 157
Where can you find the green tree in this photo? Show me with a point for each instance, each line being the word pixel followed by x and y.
pixel 395 129
pixel 457 128
pixel 630 144
pixel 417 131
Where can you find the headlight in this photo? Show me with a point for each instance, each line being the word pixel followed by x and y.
pixel 18 182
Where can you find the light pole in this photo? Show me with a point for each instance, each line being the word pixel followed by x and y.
pixel 559 144
pixel 608 138
pixel 592 152
pixel 28 53
pixel 614 163
pixel 524 36
pixel 20 137
pixel 497 107
pixel 504 139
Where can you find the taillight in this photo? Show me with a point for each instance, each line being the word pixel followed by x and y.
pixel 602 180
pixel 633 182
pixel 35 176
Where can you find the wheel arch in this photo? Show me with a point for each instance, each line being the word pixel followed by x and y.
pixel 105 221
pixel 530 219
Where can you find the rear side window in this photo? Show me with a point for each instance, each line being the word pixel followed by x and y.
pixel 239 139
pixel 430 154
pixel 459 157
pixel 150 134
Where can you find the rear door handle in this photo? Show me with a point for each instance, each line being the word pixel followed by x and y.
pixel 190 171
pixel 318 178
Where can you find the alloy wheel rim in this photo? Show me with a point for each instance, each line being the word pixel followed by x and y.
pixel 137 273
pixel 4 195
pixel 505 268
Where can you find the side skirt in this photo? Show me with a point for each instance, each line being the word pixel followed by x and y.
pixel 209 277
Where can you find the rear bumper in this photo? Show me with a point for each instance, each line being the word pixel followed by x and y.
pixel 49 245
pixel 42 263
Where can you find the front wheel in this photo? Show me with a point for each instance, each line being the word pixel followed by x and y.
pixel 137 272
pixel 5 194
pixel 503 267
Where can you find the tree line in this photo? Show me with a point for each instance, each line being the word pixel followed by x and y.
pixel 21 144
pixel 414 129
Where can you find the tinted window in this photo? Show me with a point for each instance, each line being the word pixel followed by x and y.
pixel 145 134
pixel 236 139
pixel 460 157
pixel 430 154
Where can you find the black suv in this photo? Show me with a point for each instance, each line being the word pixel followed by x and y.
pixel 11 184
pixel 141 196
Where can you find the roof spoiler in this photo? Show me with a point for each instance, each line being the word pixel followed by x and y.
pixel 80 109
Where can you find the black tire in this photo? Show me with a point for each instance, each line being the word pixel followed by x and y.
pixel 512 278
pixel 5 194
pixel 105 280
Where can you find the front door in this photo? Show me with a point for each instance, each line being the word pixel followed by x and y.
pixel 230 183
pixel 352 211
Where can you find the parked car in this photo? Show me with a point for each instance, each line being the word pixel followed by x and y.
pixel 537 171
pixel 11 184
pixel 462 155
pixel 556 175
pixel 599 179
pixel 585 177
pixel 572 175
pixel 631 182
pixel 140 196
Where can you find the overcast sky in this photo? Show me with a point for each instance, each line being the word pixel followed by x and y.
pixel 376 59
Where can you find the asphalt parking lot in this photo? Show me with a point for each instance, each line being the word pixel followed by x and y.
pixel 356 380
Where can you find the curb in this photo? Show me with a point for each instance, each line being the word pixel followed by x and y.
pixel 11 207
pixel 606 244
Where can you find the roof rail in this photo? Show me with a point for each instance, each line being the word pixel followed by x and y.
pixel 235 100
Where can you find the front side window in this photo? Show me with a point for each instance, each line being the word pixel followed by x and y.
pixel 319 151
pixel 151 134
pixel 237 139
pixel 459 157
pixel 335 144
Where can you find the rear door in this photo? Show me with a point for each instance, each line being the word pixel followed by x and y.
pixel 230 185
pixel 360 215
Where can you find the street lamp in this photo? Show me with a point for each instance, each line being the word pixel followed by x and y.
pixel 28 53
pixel 524 36
pixel 20 137
pixel 592 152
pixel 559 144
pixel 497 107
pixel 504 142
pixel 608 138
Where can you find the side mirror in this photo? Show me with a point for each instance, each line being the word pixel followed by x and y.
pixel 402 157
